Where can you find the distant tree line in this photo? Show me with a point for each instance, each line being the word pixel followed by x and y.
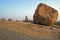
pixel 5 19
pixel 26 19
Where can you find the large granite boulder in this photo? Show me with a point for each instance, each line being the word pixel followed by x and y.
pixel 45 15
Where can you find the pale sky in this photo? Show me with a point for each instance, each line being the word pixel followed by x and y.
pixel 18 9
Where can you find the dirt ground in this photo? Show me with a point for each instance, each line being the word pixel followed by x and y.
pixel 11 30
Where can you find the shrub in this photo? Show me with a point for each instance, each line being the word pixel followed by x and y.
pixel 3 19
pixel 31 21
pixel 18 21
pixel 10 19
pixel 57 23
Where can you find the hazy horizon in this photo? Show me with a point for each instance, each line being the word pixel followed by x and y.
pixel 18 9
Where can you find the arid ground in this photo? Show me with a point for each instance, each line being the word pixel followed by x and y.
pixel 11 30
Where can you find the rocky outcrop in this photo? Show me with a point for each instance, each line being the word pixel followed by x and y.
pixel 45 15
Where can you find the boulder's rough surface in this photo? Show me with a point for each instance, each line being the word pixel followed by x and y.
pixel 45 15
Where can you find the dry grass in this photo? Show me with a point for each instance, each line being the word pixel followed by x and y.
pixel 32 30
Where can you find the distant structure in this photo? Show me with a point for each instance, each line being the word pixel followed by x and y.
pixel 26 19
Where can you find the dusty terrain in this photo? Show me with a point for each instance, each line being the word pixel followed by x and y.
pixel 11 30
